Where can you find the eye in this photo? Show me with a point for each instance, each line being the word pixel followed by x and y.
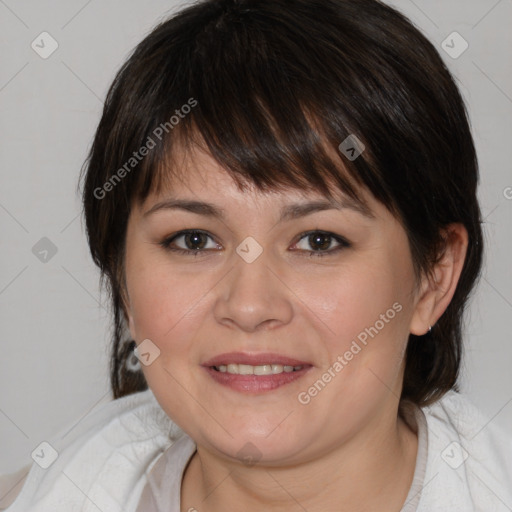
pixel 321 243
pixel 195 242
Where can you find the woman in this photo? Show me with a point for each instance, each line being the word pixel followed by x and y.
pixel 281 196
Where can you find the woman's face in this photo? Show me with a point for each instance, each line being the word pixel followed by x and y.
pixel 256 285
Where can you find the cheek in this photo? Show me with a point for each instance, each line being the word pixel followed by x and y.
pixel 357 300
pixel 368 316
pixel 161 298
pixel 167 308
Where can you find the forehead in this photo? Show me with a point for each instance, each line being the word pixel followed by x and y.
pixel 195 175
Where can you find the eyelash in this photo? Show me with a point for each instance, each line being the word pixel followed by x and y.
pixel 344 244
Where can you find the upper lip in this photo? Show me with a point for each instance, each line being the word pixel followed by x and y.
pixel 254 359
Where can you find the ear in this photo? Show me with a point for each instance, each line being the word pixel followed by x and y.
pixel 437 289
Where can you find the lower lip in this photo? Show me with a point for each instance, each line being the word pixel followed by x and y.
pixel 256 383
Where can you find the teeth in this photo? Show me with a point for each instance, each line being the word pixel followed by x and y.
pixel 247 369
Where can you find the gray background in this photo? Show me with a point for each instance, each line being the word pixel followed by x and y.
pixel 53 320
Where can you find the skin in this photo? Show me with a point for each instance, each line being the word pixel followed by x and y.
pixel 346 449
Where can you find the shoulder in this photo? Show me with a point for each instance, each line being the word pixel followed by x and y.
pixel 103 459
pixel 469 465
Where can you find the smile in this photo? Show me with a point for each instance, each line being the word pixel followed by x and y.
pixel 251 382
pixel 248 369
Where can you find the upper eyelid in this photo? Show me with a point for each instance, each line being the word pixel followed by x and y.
pixel 168 240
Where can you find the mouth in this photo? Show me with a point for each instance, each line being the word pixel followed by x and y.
pixel 255 373
pixel 264 369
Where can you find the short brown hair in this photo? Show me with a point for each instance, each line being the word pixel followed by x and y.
pixel 274 82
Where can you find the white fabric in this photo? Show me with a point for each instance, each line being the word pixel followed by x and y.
pixel 106 461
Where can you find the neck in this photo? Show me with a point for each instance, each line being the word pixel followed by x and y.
pixel 371 471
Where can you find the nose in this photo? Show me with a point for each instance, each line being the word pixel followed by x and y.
pixel 254 296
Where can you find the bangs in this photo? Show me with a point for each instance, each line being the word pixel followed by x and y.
pixel 265 161
pixel 229 91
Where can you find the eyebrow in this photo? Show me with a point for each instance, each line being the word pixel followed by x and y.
pixel 288 212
